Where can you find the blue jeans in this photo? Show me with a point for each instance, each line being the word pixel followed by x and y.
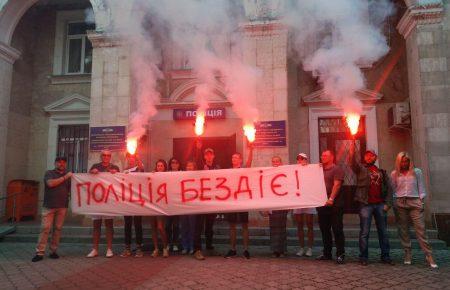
pixel 187 223
pixel 365 218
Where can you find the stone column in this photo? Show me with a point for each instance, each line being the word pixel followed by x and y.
pixel 427 30
pixel 8 56
pixel 110 86
pixel 265 46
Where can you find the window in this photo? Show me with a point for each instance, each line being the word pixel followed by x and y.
pixel 78 48
pixel 73 143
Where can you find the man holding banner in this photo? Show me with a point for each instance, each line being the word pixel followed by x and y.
pixel 239 217
pixel 104 166
pixel 205 221
pixel 331 215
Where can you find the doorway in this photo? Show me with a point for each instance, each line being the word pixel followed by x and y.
pixel 184 149
pixel 334 135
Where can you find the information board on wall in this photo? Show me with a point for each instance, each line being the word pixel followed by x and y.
pixel 270 134
pixel 111 137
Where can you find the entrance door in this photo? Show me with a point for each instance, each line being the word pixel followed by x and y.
pixel 184 149
pixel 334 135
pixel 73 143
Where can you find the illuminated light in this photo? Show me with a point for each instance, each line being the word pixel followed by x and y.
pixel 200 123
pixel 250 132
pixel 352 120
pixel 132 145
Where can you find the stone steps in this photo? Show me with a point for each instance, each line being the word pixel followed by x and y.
pixel 259 236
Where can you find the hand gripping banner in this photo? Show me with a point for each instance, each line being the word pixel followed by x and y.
pixel 194 192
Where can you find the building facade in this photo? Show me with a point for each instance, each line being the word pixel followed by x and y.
pixel 61 75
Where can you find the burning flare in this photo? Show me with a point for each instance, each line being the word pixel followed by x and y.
pixel 352 122
pixel 250 132
pixel 132 145
pixel 200 123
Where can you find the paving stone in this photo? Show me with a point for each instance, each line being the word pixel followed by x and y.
pixel 74 271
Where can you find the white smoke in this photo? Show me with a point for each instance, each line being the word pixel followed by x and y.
pixel 348 34
pixel 206 32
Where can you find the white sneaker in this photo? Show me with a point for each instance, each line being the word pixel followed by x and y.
pixel 175 248
pixel 308 252
pixel 109 253
pixel 300 252
pixel 92 254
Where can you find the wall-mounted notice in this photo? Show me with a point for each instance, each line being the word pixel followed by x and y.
pixel 112 138
pixel 270 134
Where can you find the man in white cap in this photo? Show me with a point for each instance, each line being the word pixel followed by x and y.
pixel 302 216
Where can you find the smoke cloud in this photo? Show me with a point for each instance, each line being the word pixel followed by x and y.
pixel 348 36
pixel 205 36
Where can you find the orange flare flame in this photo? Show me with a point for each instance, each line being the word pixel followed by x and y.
pixel 132 145
pixel 352 120
pixel 200 123
pixel 250 132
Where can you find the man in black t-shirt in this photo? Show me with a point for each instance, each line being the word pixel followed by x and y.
pixel 104 166
pixel 205 221
pixel 56 200
pixel 234 218
pixel 331 214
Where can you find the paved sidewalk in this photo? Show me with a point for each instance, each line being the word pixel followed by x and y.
pixel 74 271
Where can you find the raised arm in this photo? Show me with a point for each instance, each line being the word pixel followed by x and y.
pixel 198 154
pixel 248 164
pixel 355 166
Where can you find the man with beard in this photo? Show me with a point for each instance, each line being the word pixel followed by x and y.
pixel 56 200
pixel 374 195
pixel 204 221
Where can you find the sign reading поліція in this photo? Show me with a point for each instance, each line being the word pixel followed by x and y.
pixel 190 114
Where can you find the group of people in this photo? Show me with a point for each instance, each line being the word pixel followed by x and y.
pixel 376 192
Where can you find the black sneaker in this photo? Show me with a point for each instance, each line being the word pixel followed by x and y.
pixel 323 258
pixel 246 254
pixel 340 259
pixel 53 255
pixel 387 261
pixel 37 258
pixel 231 253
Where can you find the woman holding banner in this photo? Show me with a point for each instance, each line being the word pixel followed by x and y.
pixel 172 227
pixel 304 216
pixel 133 165
pixel 187 222
pixel 157 222
pixel 277 224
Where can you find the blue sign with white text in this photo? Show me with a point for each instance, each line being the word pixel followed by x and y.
pixel 112 138
pixel 270 134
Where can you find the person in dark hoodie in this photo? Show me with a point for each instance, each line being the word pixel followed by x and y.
pixel 374 195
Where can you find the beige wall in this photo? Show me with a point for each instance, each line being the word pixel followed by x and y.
pixel 32 90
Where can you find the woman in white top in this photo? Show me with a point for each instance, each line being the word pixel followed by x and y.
pixel 409 195
pixel 304 216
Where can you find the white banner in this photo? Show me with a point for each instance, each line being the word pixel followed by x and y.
pixel 193 192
